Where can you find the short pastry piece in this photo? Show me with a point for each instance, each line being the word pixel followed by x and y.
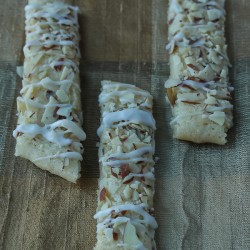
pixel 198 87
pixel 126 185
pixel 49 129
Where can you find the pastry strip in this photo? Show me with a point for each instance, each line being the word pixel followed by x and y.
pixel 198 87
pixel 49 129
pixel 126 184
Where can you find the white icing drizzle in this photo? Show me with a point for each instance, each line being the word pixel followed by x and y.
pixel 51 12
pixel 51 132
pixel 196 35
pixel 144 223
pixel 45 28
pixel 108 84
pixel 69 155
pixel 198 43
pixel 109 222
pixel 206 86
pixel 139 209
pixel 133 154
pixel 176 8
pixel 133 115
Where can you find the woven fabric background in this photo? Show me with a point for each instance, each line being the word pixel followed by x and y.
pixel 202 196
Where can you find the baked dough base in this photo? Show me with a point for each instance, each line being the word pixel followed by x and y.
pixel 31 149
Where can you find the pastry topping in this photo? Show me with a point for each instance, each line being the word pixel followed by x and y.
pixel 123 117
pixel 198 54
pixel 115 236
pixel 127 167
pixel 103 194
pixel 124 170
pixel 52 131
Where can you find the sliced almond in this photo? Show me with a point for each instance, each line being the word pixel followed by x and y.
pixel 103 194
pixel 130 237
pixel 171 96
pixel 63 97
pixel 64 111
pixel 218 117
pixel 210 100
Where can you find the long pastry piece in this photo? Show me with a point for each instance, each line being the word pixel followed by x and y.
pixel 126 184
pixel 49 129
pixel 198 87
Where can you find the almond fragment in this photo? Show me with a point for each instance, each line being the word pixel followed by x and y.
pixel 217 78
pixel 218 117
pixel 113 173
pixel 59 67
pixel 170 21
pixel 110 136
pixel 183 85
pixel 103 194
pixel 142 177
pixel 19 134
pixel 32 114
pixel 216 20
pixel 196 79
pixel 113 214
pixel 125 170
pixel 55 112
pixel 191 41
pixel 189 102
pixel 48 48
pixel 130 237
pixel 171 96
pixel 115 236
pixel 68 39
pixel 129 180
pixel 123 139
pixel 123 212
pixel 192 66
pixel 197 19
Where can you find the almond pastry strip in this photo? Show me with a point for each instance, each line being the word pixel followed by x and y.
pixel 198 88
pixel 126 184
pixel 49 129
